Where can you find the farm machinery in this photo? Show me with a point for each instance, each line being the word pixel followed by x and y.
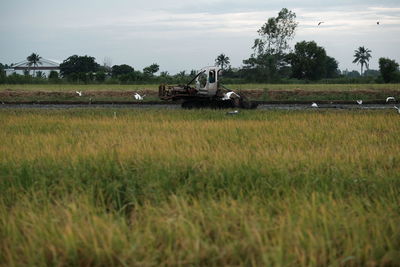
pixel 205 90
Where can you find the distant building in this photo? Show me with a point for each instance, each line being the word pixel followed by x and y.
pixel 43 65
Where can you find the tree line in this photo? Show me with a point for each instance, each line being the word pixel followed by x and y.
pixel 272 61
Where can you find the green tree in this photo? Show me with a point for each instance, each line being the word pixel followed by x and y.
pixel 389 70
pixel 2 73
pixel 276 33
pixel 267 63
pixel 100 76
pixel 164 74
pixel 151 70
pixel 262 68
pixel 331 66
pixel 118 70
pixel 362 56
pixel 77 67
pixel 309 61
pixel 40 74
pixel 53 75
pixel 33 60
pixel 222 60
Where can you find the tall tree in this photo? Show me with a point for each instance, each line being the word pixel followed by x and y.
pixel 331 66
pixel 150 70
pixel 276 33
pixel 362 56
pixel 75 65
pixel 117 70
pixel 267 63
pixel 389 70
pixel 309 61
pixel 222 60
pixel 34 59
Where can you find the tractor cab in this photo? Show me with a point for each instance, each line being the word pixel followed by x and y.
pixel 206 81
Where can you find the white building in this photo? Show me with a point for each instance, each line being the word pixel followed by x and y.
pixel 43 65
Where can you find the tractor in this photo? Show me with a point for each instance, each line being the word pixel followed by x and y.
pixel 205 90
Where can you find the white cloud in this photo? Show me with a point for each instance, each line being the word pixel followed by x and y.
pixel 192 32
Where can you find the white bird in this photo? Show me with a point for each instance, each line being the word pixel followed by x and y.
pixel 398 109
pixel 314 105
pixel 359 102
pixel 227 96
pixel 233 112
pixel 139 97
pixel 390 98
pixel 79 93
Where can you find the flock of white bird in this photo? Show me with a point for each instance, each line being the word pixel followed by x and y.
pixel 359 101
pixel 228 96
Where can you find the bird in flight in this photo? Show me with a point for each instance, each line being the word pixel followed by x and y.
pixel 390 98
pixel 228 95
pixel 79 93
pixel 314 105
pixel 139 97
pixel 359 102
pixel 377 23
pixel 319 23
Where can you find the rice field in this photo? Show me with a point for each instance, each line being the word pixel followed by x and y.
pixel 125 187
pixel 253 86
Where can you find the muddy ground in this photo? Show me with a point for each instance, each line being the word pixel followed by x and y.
pixel 152 95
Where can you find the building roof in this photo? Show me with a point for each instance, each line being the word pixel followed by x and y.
pixel 43 64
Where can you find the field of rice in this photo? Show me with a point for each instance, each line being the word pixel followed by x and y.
pixel 144 187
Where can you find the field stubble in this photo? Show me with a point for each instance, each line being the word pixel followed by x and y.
pixel 151 187
pixel 260 92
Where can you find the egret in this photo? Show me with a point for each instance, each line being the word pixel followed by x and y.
pixel 227 96
pixel 79 93
pixel 235 112
pixel 314 105
pixel 359 102
pixel 139 97
pixel 390 98
pixel 398 109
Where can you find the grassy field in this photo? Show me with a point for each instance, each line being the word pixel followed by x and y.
pixel 117 87
pixel 171 187
pixel 259 92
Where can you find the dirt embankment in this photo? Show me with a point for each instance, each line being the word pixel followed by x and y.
pixel 51 94
pixel 152 95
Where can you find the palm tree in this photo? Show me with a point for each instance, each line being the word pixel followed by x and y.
pixel 34 60
pixel 222 61
pixel 362 56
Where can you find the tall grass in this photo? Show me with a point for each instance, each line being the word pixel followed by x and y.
pixel 81 187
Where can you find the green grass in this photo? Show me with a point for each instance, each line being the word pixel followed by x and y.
pixel 106 87
pixel 172 187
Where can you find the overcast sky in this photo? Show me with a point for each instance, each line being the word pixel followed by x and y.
pixel 185 35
